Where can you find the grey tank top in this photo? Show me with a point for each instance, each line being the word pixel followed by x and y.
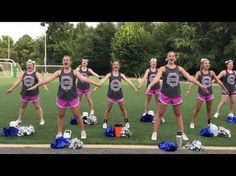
pixel 81 84
pixel 67 86
pixel 170 86
pixel 229 81
pixel 28 81
pixel 205 79
pixel 151 76
pixel 114 89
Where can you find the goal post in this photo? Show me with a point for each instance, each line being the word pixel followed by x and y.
pixel 8 68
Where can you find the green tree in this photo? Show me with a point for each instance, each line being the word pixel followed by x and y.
pixel 60 36
pixel 24 48
pixel 131 46
pixel 101 51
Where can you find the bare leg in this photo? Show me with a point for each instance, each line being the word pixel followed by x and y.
pixel 147 103
pixel 222 103
pixel 196 109
pixel 39 109
pixel 208 107
pixel 78 117
pixel 232 103
pixel 90 102
pixel 60 117
pixel 22 110
pixel 108 110
pixel 161 111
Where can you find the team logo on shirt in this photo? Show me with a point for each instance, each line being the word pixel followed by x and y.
pixel 85 75
pixel 115 85
pixel 66 83
pixel 231 79
pixel 151 77
pixel 206 81
pixel 172 79
pixel 28 81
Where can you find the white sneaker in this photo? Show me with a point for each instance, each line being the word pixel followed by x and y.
pixel 92 112
pixel 104 125
pixel 216 115
pixel 59 135
pixel 192 125
pixel 42 122
pixel 154 136
pixel 230 115
pixel 162 120
pixel 83 135
pixel 127 125
pixel 18 121
pixel 144 114
pixel 185 138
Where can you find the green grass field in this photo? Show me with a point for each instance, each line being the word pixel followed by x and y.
pixel 9 105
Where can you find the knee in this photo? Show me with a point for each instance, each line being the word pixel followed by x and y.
pixel 122 109
pixel 197 110
pixel 178 115
pixel 109 109
pixel 37 107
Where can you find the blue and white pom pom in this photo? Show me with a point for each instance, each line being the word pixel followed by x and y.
pixel 195 145
pixel 125 132
pixel 75 143
pixel 223 132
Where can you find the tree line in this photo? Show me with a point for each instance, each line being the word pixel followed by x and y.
pixel 132 43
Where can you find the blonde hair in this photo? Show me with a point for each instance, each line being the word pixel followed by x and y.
pixel 30 61
pixel 202 62
pixel 153 59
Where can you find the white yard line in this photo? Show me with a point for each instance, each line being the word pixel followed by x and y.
pixel 110 146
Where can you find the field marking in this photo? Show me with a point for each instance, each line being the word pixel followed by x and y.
pixel 111 146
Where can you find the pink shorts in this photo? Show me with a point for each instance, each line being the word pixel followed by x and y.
pixel 205 98
pixel 230 92
pixel 170 100
pixel 81 91
pixel 67 103
pixel 115 100
pixel 26 99
pixel 154 92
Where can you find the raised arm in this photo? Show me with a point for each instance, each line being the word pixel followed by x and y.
pixel 157 78
pixel 219 81
pixel 143 79
pixel 40 80
pixel 15 84
pixel 93 73
pixel 193 80
pixel 129 82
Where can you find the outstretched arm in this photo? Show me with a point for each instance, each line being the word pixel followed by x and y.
pixel 40 80
pixel 221 74
pixel 102 81
pixel 129 82
pixel 47 80
pixel 85 79
pixel 15 84
pixel 193 80
pixel 93 73
pixel 156 79
pixel 191 84
pixel 144 78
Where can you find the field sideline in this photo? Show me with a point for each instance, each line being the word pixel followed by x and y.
pixel 9 105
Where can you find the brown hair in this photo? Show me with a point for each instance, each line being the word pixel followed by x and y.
pixel 68 57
